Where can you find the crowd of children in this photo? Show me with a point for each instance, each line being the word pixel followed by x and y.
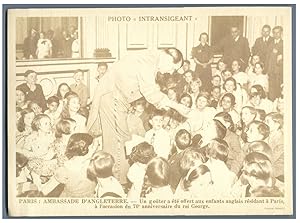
pixel 228 144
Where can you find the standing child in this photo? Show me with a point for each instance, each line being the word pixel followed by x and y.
pixel 157 136
pixel 100 170
pixel 80 88
pixel 140 156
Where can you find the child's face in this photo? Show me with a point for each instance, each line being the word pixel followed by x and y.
pixel 53 107
pixel 188 77
pixel 36 108
pixel 235 66
pixel 74 105
pixel 78 77
pixel 226 103
pixel 45 125
pixel 222 66
pixel 216 93
pixel 195 87
pixel 20 97
pixel 229 86
pixel 258 69
pixel 246 116
pixel 28 118
pixel 201 103
pixel 253 134
pixel 31 78
pixel 226 75
pixel 186 101
pixel 272 125
pixel 63 90
pixel 157 122
pixel 255 59
pixel 216 81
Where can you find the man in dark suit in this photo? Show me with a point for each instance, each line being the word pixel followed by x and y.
pixel 30 45
pixel 275 63
pixel 235 47
pixel 262 44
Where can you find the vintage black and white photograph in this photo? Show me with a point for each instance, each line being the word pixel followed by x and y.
pixel 150 111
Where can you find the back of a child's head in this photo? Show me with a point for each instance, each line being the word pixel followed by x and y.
pixel 63 127
pixel 142 153
pixel 266 191
pixel 220 129
pixel 182 139
pixel 195 172
pixel 158 172
pixel 52 99
pixel 156 112
pixel 218 149
pixel 258 165
pixel 78 145
pixel 260 147
pixel 101 165
pixel 225 117
pixel 189 159
pixel 262 128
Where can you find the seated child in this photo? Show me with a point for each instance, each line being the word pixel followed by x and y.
pixel 222 176
pixel 275 141
pixel 182 142
pixel 156 181
pixel 140 156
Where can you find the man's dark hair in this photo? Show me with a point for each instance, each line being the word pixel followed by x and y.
pixel 176 54
pixel 267 26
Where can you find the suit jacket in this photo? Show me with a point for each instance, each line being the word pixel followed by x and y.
pixel 262 48
pixel 235 50
pixel 131 78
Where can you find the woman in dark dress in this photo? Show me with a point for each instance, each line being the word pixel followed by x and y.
pixel 203 57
